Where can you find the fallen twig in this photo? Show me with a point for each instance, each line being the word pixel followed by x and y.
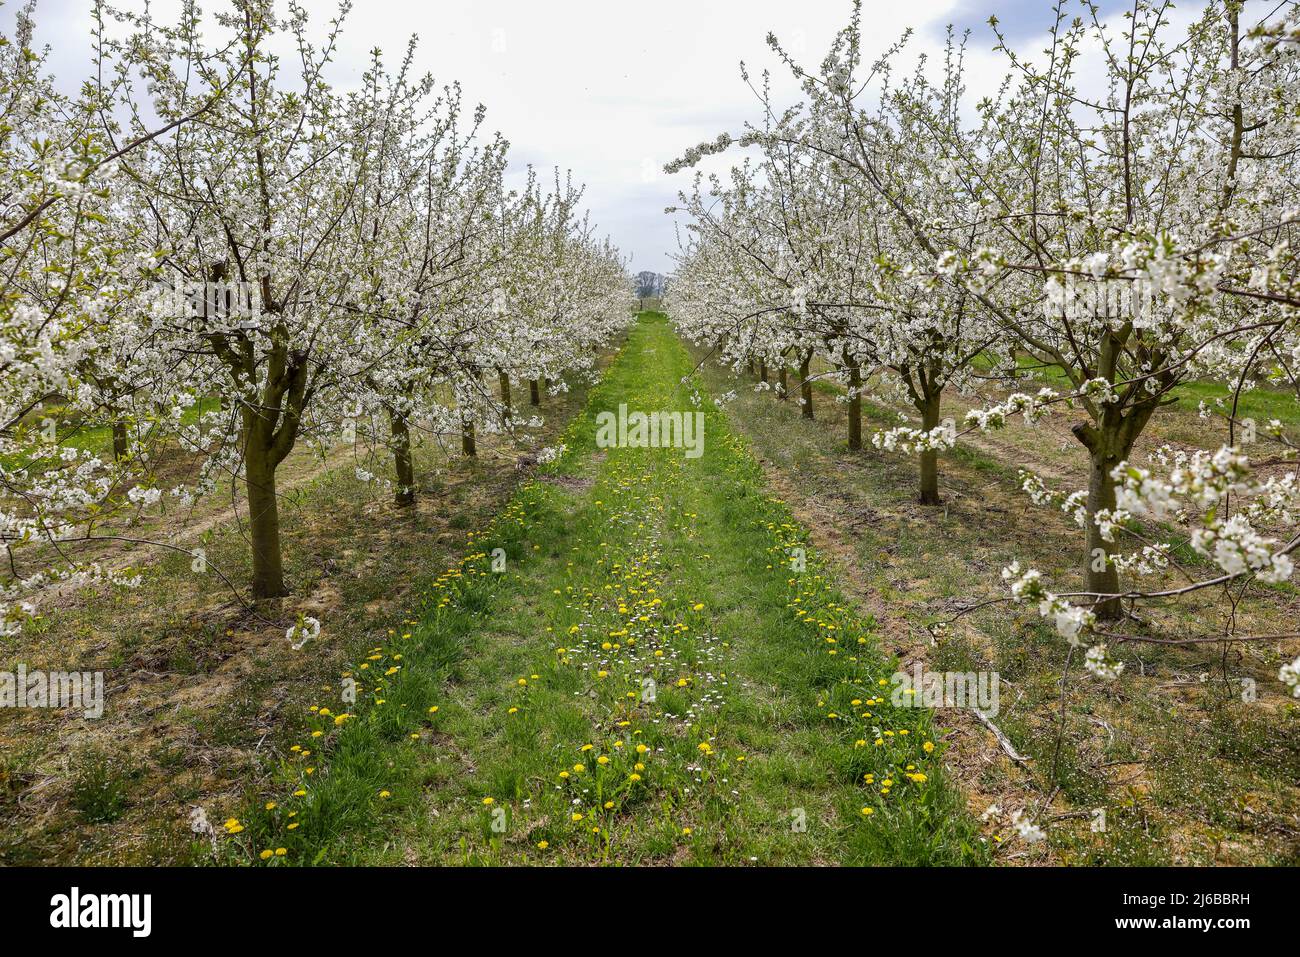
pixel 1003 740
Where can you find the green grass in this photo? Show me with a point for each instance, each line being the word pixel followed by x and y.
pixel 647 615
pixel 1263 403
pixel 100 786
pixel 73 432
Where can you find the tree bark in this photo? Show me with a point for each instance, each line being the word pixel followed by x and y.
pixel 855 405
pixel 404 468
pixel 505 388
pixel 467 443
pixel 120 441
pixel 1101 576
pixel 534 393
pixel 784 392
pixel 1109 442
pixel 930 458
pixel 805 386
pixel 268 433
pixel 264 521
pixel 762 370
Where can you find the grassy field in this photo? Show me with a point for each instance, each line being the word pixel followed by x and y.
pixel 765 740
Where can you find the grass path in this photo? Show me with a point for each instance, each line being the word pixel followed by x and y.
pixel 627 668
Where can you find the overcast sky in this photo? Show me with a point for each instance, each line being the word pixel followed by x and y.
pixel 611 90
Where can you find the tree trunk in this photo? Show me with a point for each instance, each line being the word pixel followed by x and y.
pixel 930 458
pixel 855 406
pixel 467 443
pixel 534 393
pixel 1102 576
pixel 505 388
pixel 264 521
pixel 785 394
pixel 120 441
pixel 762 370
pixel 404 494
pixel 805 386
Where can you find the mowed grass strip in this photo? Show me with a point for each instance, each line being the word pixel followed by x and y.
pixel 649 681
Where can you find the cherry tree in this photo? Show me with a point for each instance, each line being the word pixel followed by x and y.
pixel 1077 229
pixel 63 270
pixel 1118 211
pixel 344 245
pixel 815 230
pixel 422 226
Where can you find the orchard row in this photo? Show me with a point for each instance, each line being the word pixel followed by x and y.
pixel 1111 218
pixel 211 252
